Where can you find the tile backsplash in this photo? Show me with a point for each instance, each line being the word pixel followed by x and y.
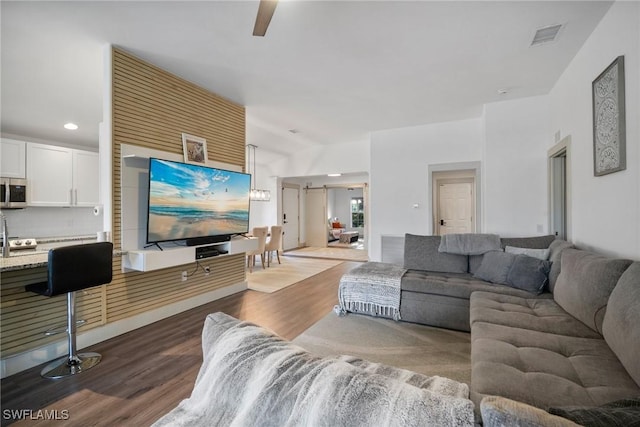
pixel 52 222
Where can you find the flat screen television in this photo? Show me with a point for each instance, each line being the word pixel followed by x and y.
pixel 196 203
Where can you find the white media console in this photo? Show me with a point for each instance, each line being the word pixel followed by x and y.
pixel 156 259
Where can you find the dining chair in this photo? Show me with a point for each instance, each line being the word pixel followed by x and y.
pixel 261 234
pixel 274 244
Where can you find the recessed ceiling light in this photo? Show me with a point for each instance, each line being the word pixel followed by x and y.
pixel 71 126
pixel 334 174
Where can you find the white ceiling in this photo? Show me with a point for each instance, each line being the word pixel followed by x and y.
pixel 334 70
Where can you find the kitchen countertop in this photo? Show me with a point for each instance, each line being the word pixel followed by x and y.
pixel 20 260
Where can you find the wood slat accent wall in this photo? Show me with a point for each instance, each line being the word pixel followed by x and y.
pixel 152 108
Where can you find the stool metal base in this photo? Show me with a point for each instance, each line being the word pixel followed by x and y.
pixel 68 366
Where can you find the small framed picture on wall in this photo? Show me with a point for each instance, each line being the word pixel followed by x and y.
pixel 194 149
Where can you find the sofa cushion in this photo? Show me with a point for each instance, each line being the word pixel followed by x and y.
pixel 621 413
pixel 555 252
pixel 621 326
pixel 495 267
pixel 534 312
pixel 545 369
pixel 585 283
pixel 421 253
pixel 529 273
pixel 451 284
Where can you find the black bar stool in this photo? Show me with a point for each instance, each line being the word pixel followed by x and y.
pixel 71 269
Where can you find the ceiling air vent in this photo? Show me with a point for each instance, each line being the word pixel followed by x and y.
pixel 546 34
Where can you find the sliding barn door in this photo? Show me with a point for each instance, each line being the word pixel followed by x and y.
pixel 316 221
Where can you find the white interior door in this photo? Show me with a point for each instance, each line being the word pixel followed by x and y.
pixel 290 218
pixel 316 225
pixel 456 208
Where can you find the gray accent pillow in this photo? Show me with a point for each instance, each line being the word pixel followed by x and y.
pixel 495 267
pixel 529 274
pixel 536 253
pixel 535 242
pixel 555 251
pixel 621 413
pixel 621 326
pixel 585 283
pixel 421 253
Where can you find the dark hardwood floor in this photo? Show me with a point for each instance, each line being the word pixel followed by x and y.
pixel 147 372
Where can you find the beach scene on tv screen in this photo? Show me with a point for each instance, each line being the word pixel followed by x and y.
pixel 187 201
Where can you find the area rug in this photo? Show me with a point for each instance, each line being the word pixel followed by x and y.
pixel 346 254
pixel 338 244
pixel 290 271
pixel 419 348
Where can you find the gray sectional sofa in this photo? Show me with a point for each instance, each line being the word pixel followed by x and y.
pixel 575 343
pixel 437 286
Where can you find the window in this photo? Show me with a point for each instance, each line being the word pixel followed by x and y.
pixel 357 212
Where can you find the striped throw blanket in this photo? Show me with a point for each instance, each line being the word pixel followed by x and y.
pixel 372 288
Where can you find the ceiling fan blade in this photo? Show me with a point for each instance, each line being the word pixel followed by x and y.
pixel 265 12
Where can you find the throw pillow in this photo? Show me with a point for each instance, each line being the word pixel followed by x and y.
pixel 623 413
pixel 529 274
pixel 536 253
pixel 495 267
pixel 536 242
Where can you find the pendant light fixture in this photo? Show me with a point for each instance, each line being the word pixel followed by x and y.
pixel 257 195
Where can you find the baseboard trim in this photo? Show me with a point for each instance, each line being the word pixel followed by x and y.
pixel 23 361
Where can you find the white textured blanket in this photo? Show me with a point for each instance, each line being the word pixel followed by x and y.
pixel 250 377
pixel 469 244
pixel 372 288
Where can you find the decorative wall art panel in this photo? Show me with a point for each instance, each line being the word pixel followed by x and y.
pixel 609 128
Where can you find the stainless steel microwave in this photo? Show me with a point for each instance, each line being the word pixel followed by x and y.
pixel 13 193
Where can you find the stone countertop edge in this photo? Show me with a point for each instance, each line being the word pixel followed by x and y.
pixel 43 240
pixel 24 262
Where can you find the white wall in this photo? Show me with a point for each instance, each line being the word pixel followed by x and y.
pixel 517 135
pixel 510 142
pixel 606 209
pixel 399 174
pixel 350 158
pixel 343 158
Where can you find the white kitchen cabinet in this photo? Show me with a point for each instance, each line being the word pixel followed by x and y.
pixel 13 158
pixel 86 178
pixel 60 176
